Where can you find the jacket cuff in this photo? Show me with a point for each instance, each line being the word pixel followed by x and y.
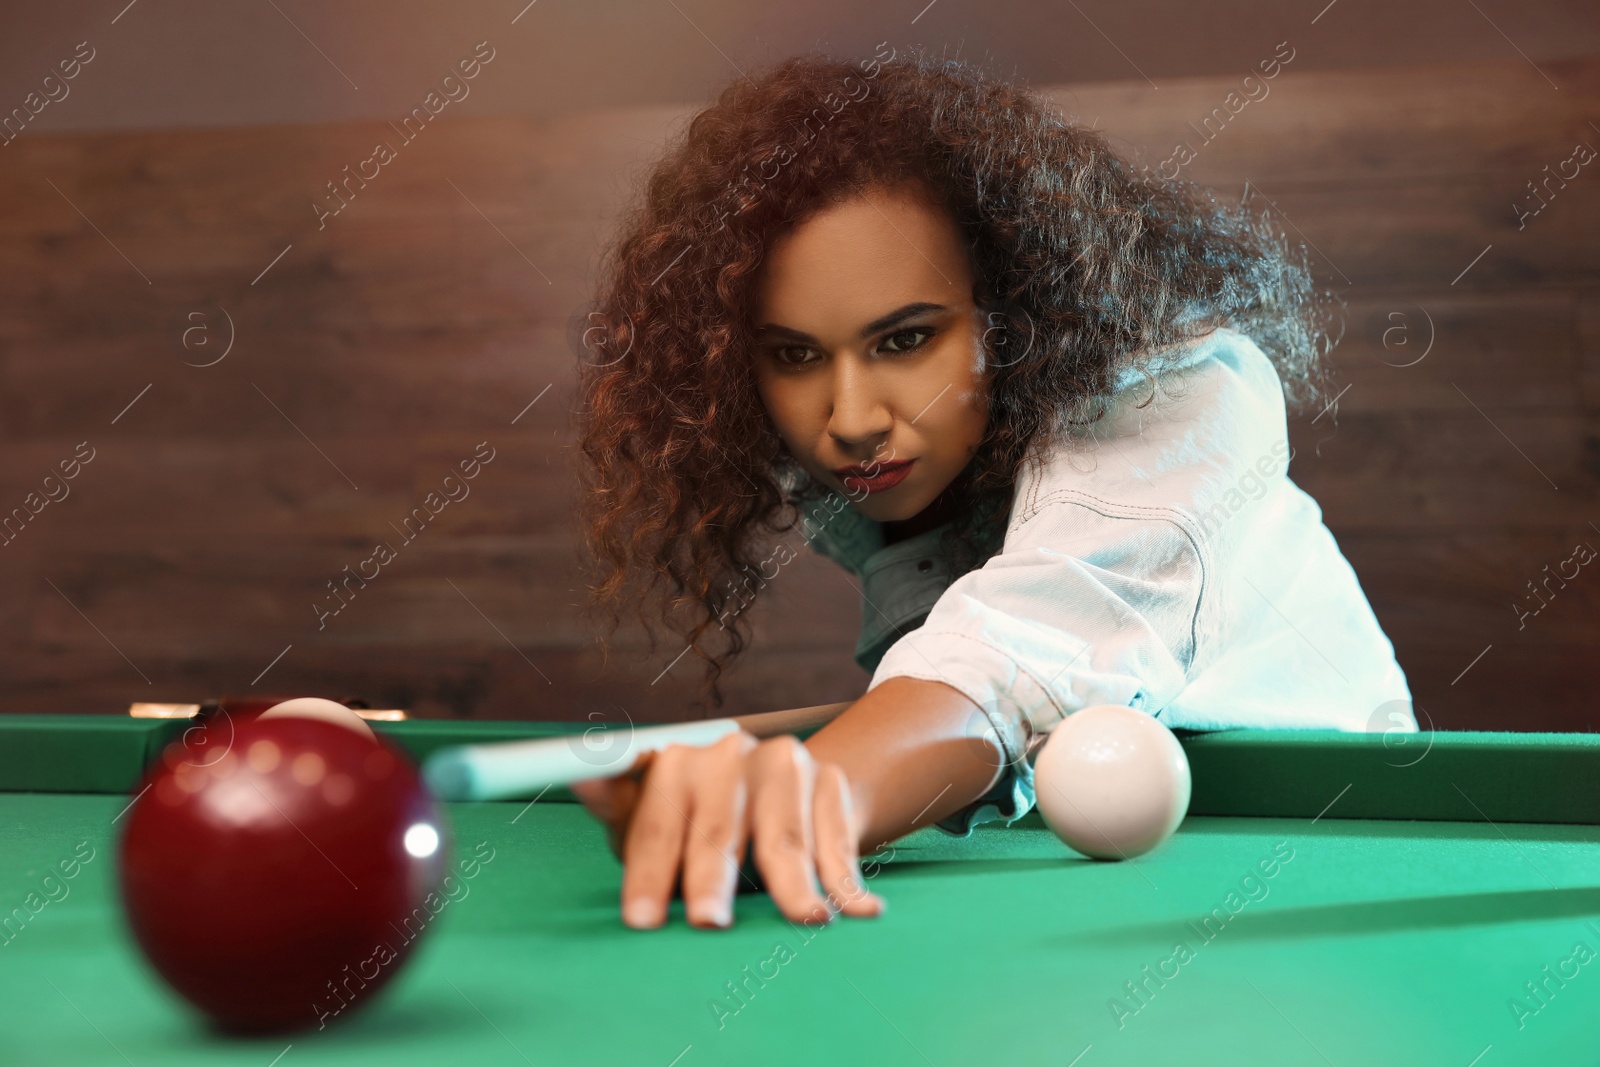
pixel 1009 799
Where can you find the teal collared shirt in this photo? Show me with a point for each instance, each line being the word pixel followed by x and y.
pixel 900 583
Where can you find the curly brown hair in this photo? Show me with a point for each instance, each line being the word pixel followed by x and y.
pixel 1090 262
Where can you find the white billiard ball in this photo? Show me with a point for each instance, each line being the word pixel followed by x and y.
pixel 1112 782
pixel 318 708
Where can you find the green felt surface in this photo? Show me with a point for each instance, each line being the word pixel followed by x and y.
pixel 1378 942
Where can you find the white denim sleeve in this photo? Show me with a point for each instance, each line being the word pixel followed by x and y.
pixel 1089 602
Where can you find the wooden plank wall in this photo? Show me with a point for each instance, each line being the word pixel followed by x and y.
pixel 376 353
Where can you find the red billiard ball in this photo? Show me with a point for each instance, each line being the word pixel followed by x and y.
pixel 276 872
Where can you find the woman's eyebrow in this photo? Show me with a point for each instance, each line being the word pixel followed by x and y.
pixel 877 325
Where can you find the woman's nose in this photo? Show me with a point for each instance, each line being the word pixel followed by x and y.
pixel 858 413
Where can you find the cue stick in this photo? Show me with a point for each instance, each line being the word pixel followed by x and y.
pixel 508 770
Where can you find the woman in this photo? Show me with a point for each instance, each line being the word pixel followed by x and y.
pixel 1030 396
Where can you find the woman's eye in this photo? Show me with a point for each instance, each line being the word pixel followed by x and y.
pixel 791 355
pixel 906 340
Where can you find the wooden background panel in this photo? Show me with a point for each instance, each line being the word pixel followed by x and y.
pixel 1425 471
pixel 1427 233
pixel 1588 340
pixel 264 176
pixel 179 494
pixel 1429 352
pixel 415 277
pixel 1542 687
pixel 1450 605
pixel 1453 605
pixel 1478 589
pixel 476 680
pixel 347 382
pixel 427 314
pixel 1352 127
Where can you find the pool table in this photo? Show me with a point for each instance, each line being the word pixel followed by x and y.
pixel 1346 899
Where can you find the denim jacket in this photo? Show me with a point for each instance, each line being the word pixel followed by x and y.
pixel 1160 558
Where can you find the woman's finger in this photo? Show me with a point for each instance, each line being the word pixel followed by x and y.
pixel 611 801
pixel 781 827
pixel 653 846
pixel 838 863
pixel 718 822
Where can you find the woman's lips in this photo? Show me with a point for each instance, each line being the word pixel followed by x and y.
pixel 888 476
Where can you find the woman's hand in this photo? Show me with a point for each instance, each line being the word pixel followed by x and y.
pixel 690 811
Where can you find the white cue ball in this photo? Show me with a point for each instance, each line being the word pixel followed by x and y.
pixel 1112 782
pixel 318 708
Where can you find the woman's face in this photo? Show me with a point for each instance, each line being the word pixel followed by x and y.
pixel 869 350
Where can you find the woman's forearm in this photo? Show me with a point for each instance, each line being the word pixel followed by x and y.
pixel 914 751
